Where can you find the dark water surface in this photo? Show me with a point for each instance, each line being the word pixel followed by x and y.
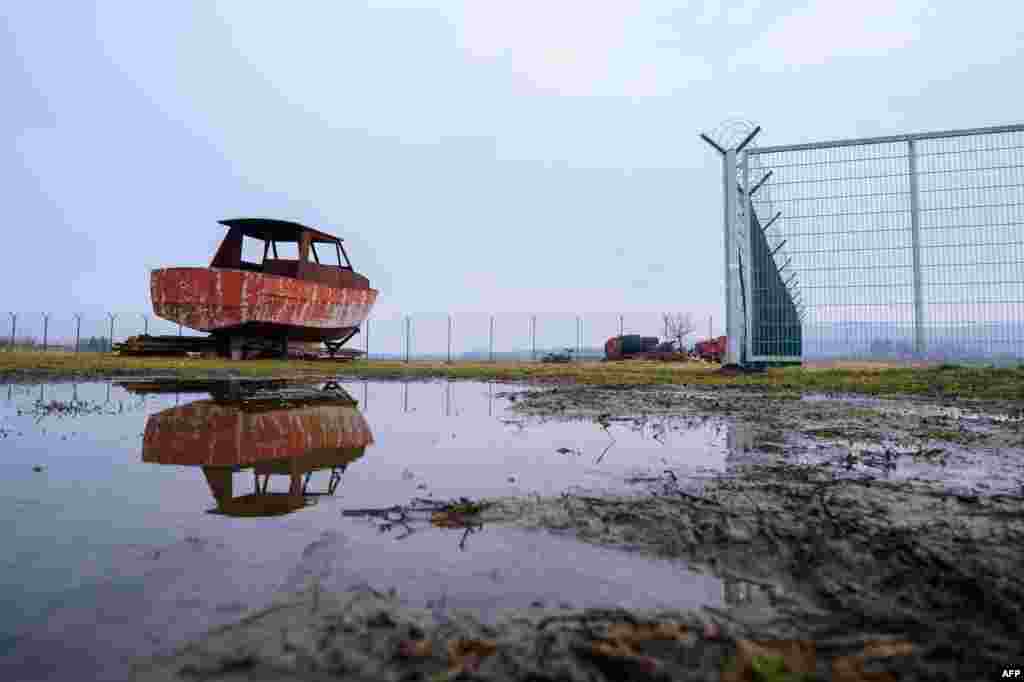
pixel 132 522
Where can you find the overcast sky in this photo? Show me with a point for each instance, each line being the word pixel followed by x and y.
pixel 528 155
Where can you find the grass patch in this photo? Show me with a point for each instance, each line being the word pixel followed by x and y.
pixel 828 434
pixel 943 381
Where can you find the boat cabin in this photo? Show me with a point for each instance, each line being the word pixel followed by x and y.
pixel 288 250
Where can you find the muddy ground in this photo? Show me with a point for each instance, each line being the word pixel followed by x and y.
pixel 835 552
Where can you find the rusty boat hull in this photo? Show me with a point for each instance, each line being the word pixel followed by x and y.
pixel 211 434
pixel 243 303
pixel 224 437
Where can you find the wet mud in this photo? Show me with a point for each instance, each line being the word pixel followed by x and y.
pixel 860 536
pixel 814 518
pixel 364 635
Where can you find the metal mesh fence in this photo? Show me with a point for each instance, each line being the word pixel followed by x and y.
pixel 910 246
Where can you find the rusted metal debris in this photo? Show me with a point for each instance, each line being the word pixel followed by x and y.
pixel 166 345
pixel 209 346
pixel 304 299
pixel 636 347
pixel 711 350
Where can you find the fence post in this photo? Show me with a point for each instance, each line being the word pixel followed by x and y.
pixel 915 242
pixel 14 327
pixel 367 338
pixel 578 333
pixel 731 267
pixel 110 341
pixel 46 332
pixel 747 278
pixel 449 338
pixel 490 342
pixel 145 321
pixel 620 325
pixel 78 329
pixel 533 338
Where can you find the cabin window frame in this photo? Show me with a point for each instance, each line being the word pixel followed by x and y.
pixel 295 257
pixel 341 253
pixel 247 264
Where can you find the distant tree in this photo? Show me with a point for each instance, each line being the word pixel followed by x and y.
pixel 678 326
pixel 21 342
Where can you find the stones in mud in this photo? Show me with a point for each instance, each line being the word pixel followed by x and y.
pixel 737 532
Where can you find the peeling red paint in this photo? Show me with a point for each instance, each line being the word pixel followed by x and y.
pixel 205 433
pixel 217 299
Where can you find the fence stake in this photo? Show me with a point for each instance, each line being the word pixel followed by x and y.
pixel 491 339
pixel 46 331
pixel 367 338
pixel 620 325
pixel 145 321
pixel 408 337
pixel 110 341
pixel 915 242
pixel 78 329
pixel 14 326
pixel 449 339
pixel 578 333
pixel 533 337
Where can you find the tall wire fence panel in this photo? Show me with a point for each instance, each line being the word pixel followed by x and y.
pixel 900 247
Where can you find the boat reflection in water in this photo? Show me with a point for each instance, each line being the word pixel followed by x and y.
pixel 291 433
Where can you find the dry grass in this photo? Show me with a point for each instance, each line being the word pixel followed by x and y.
pixel 870 378
pixel 867 364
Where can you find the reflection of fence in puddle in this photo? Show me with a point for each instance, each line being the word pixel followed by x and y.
pixel 52 400
pixel 447 396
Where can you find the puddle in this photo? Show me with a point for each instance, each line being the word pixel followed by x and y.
pixel 135 519
pixel 137 516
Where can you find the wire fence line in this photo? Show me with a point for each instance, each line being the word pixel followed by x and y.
pixel 530 336
pixel 436 336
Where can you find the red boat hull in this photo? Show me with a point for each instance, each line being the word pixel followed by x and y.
pixel 206 433
pixel 218 300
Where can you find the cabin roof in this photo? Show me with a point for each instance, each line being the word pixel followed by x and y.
pixel 277 230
